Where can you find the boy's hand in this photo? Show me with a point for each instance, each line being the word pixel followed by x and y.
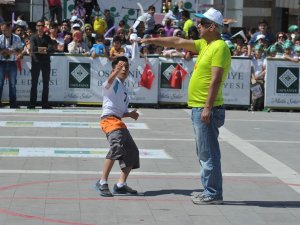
pixel 134 114
pixel 119 66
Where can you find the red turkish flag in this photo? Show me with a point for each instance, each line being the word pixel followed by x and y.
pixel 147 77
pixel 177 76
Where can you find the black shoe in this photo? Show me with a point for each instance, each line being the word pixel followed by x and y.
pixel 46 107
pixel 104 189
pixel 124 190
pixel 31 107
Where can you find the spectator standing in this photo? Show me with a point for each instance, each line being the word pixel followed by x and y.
pixel 281 37
pixel 148 18
pixel 41 48
pixel 65 34
pixel 288 51
pixel 169 29
pixel 78 46
pixel 88 35
pixel 89 6
pixel 121 33
pixel 262 29
pixel 258 73
pixel 187 22
pixel 18 30
pixel 21 22
pixel 98 49
pixel 293 32
pixel 205 98
pixel 116 49
pixel 10 52
pixel 58 41
pixel 109 22
pixel 55 9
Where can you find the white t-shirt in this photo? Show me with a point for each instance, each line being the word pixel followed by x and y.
pixel 115 99
pixel 257 65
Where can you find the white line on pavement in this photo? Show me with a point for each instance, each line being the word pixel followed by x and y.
pixel 139 139
pixel 274 166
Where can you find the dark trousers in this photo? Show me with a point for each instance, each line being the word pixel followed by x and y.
pixel 35 73
pixel 56 10
pixel 10 69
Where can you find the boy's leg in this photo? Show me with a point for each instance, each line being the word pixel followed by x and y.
pixel 124 174
pixel 102 184
pixel 121 187
pixel 108 164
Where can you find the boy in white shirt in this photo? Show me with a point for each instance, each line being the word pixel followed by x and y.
pixel 122 146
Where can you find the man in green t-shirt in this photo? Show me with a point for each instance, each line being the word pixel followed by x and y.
pixel 205 98
pixel 187 22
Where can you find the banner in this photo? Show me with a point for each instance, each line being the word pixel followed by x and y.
pixel 79 79
pixel 282 84
pixel 171 91
pixel 236 90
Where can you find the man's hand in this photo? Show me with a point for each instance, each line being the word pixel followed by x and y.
pixel 205 115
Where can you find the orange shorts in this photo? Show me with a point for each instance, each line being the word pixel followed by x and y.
pixel 111 123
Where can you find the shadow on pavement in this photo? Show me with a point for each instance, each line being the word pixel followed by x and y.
pixel 171 191
pixel 268 204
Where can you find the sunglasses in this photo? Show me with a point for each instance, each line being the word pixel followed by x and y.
pixel 39 25
pixel 204 22
pixel 88 29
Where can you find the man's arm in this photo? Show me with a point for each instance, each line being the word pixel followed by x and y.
pixel 33 44
pixel 174 42
pixel 216 80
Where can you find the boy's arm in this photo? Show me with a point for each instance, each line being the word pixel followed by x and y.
pixel 133 114
pixel 113 74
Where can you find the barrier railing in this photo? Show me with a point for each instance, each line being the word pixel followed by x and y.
pixel 78 79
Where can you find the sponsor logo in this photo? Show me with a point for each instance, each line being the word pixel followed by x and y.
pixel 79 75
pixel 287 80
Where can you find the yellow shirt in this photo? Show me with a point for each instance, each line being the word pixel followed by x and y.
pixel 113 51
pixel 187 25
pixel 215 54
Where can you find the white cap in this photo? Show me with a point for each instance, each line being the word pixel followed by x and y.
pixel 73 18
pixel 260 36
pixel 212 15
pixel 76 25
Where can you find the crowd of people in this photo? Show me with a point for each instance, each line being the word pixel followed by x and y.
pixel 84 34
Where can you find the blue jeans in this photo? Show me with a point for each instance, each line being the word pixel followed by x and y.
pixel 9 68
pixel 208 150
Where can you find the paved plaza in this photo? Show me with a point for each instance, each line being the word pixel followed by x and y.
pixel 51 159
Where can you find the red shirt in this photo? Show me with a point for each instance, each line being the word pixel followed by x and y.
pixel 54 2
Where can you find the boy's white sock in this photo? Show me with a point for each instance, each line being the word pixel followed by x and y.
pixel 103 182
pixel 121 184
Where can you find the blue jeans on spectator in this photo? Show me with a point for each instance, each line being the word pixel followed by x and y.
pixel 208 150
pixel 9 68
